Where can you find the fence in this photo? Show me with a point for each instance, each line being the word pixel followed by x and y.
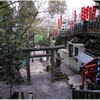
pixel 85 94
pixel 30 95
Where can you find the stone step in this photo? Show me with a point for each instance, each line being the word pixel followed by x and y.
pixel 60 77
pixel 58 72
pixel 76 81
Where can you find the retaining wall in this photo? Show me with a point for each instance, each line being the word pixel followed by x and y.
pixel 71 61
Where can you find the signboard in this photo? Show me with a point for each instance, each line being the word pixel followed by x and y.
pixel 70 50
pixel 76 51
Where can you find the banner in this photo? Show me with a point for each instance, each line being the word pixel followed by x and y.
pixel 85 14
pixel 59 23
pixel 94 12
pixel 75 16
pixel 71 24
pixel 61 19
pixel 54 33
pixel 90 13
pixel 82 13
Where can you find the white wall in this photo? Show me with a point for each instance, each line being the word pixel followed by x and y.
pixel 64 53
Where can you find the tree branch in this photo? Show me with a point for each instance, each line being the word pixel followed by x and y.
pixel 29 25
pixel 9 4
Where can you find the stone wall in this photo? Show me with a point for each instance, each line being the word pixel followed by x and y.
pixel 71 61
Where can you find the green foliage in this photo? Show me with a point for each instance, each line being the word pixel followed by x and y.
pixel 16 26
pixel 57 7
pixel 26 17
pixel 10 39
pixel 26 12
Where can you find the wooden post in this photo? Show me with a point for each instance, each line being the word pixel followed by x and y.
pixel 28 67
pixel 14 95
pixel 73 93
pixel 83 75
pixel 22 94
pixel 52 66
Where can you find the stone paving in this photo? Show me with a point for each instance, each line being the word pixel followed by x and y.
pixel 41 84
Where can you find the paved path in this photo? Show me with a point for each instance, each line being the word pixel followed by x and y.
pixel 41 84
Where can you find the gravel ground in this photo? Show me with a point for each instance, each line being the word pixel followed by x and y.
pixel 41 84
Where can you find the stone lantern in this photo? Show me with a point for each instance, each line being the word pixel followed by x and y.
pixel 58 72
